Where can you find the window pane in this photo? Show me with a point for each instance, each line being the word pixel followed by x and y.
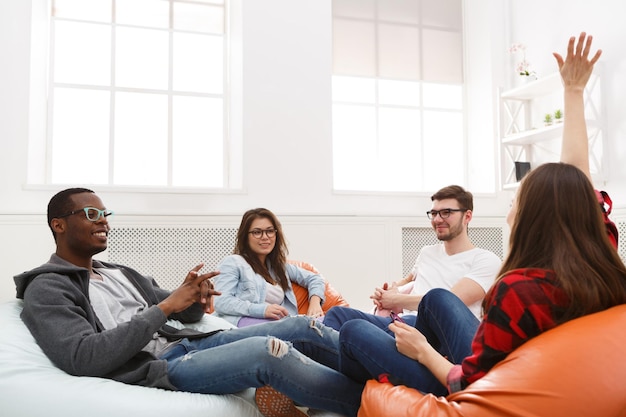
pixel 151 13
pixel 443 140
pixel 398 52
pixel 354 89
pixel 400 11
pixel 402 93
pixel 198 18
pixel 80 136
pixel 82 54
pixel 198 150
pixel 442 13
pixel 359 9
pixel 140 151
pixel 414 75
pixel 443 96
pixel 446 67
pixel 140 55
pixel 400 150
pixel 141 58
pixel 198 63
pixel 95 10
pixel 354 48
pixel 354 147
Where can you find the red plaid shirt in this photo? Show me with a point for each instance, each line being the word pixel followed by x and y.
pixel 524 304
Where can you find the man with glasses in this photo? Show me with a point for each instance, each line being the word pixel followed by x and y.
pixel 93 318
pixel 454 264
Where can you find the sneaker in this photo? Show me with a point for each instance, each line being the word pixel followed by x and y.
pixel 272 403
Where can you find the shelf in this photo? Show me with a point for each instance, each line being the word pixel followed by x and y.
pixel 540 87
pixel 534 135
pixel 523 136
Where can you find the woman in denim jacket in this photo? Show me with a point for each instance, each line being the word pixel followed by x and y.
pixel 255 281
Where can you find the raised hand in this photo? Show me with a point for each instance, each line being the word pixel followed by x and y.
pixel 577 67
pixel 575 71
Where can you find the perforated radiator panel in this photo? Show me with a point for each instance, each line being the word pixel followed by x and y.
pixel 167 254
pixel 621 247
pixel 415 238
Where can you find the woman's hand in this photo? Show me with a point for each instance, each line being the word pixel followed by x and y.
pixel 577 67
pixel 410 342
pixel 275 312
pixel 315 307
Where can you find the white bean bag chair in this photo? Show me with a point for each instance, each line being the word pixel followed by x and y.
pixel 30 385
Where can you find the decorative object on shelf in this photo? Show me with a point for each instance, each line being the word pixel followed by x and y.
pixel 547 119
pixel 521 169
pixel 558 116
pixel 522 67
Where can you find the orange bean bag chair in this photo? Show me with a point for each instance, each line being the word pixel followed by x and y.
pixel 333 298
pixel 575 369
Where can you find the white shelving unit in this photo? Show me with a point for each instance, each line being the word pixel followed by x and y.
pixel 525 138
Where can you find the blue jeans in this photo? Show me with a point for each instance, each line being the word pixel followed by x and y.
pixel 448 325
pixel 304 368
pixel 337 316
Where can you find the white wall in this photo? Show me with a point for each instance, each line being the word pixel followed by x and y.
pixel 286 132
pixel 545 26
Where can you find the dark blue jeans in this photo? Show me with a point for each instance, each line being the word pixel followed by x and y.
pixel 367 351
pixel 337 316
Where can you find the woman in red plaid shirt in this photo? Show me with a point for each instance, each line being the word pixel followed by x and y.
pixel 562 264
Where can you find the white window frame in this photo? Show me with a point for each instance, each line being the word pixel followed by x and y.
pixel 420 107
pixel 39 152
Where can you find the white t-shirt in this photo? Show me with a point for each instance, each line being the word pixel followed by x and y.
pixel 434 268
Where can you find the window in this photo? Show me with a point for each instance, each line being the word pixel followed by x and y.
pixel 398 120
pixel 137 93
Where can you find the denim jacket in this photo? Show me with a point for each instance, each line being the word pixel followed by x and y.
pixel 243 290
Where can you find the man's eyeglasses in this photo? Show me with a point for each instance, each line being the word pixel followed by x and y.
pixel 443 213
pixel 258 233
pixel 92 213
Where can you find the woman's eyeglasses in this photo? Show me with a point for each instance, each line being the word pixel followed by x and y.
pixel 258 233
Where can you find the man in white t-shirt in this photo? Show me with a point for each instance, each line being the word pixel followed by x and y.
pixel 454 264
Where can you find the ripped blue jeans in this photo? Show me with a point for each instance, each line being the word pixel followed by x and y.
pixel 303 368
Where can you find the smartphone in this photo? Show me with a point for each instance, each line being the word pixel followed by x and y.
pixel 395 317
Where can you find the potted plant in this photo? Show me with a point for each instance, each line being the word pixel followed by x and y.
pixel 547 120
pixel 558 116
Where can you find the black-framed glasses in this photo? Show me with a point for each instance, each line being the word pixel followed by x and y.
pixel 443 213
pixel 258 233
pixel 93 214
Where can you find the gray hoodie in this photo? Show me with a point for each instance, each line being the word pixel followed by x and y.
pixel 59 315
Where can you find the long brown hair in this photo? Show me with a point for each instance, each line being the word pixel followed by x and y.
pixel 276 258
pixel 559 226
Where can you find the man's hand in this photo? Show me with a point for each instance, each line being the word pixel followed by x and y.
pixel 194 289
pixel 208 291
pixel 385 297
